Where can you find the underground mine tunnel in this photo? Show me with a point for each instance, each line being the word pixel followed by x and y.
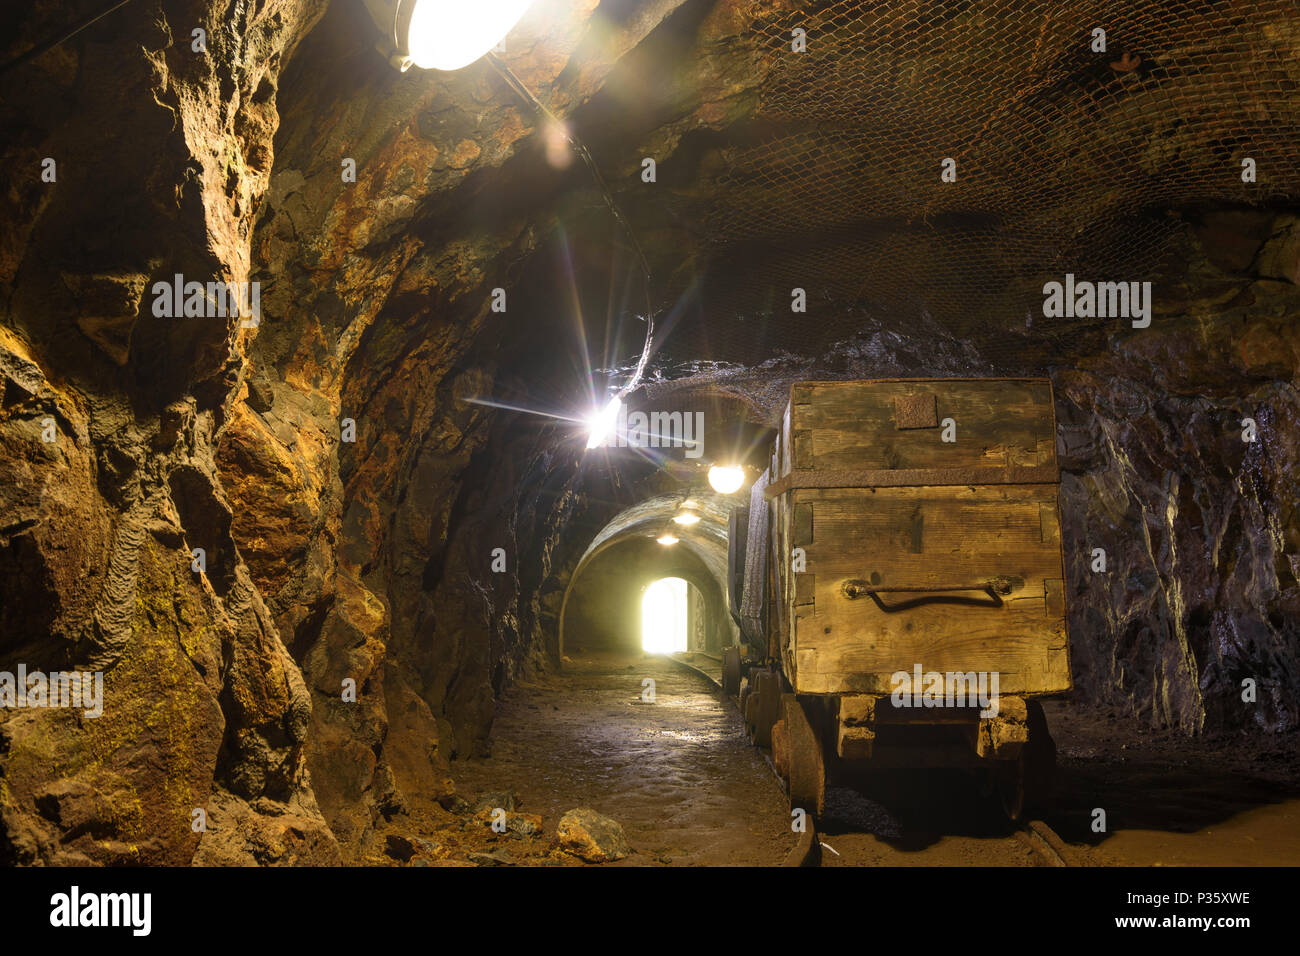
pixel 553 433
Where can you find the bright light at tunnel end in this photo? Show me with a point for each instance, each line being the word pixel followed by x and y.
pixel 603 423
pixel 664 617
pixel 447 35
pixel 725 479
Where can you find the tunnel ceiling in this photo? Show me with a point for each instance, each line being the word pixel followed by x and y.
pixel 775 170
pixel 363 520
pixel 707 539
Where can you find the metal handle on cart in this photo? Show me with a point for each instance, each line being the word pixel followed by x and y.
pixel 993 591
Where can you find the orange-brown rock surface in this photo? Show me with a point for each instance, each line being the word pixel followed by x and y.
pixel 348 502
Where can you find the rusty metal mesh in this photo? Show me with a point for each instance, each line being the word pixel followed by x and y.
pixel 1067 160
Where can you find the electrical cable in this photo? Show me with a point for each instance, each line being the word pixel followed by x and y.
pixel 50 44
pixel 578 147
pixel 527 96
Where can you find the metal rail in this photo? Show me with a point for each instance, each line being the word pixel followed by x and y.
pixel 1041 839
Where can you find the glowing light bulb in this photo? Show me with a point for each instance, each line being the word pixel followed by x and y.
pixel 666 539
pixel 725 479
pixel 446 35
pixel 603 423
pixel 686 518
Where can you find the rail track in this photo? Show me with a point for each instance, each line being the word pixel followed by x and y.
pixel 1042 839
pixel 1034 835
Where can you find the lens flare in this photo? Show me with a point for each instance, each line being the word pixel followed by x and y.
pixel 603 423
pixel 666 539
pixel 686 518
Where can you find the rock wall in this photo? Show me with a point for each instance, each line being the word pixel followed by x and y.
pixel 1199 527
pixel 109 437
pixel 349 502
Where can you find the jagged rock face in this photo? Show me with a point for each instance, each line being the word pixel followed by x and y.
pixel 1199 525
pixel 378 299
pixel 172 434
pixel 1199 532
pixel 350 505
pixel 110 424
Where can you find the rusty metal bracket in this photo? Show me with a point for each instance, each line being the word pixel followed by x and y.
pixel 994 589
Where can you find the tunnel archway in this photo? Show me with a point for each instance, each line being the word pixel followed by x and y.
pixel 603 601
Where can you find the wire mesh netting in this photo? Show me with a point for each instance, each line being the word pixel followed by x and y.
pixel 1068 159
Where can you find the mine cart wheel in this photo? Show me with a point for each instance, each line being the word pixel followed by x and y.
pixel 1040 758
pixel 750 707
pixel 807 768
pixel 731 670
pixel 764 706
pixel 1009 779
pixel 1026 783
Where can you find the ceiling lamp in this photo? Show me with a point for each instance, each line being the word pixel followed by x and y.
pixel 666 538
pixel 442 34
pixel 603 422
pixel 686 518
pixel 725 479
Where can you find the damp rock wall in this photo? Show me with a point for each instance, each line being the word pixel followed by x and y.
pixel 307 566
pixel 117 545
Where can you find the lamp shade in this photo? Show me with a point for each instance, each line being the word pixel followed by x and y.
pixel 442 34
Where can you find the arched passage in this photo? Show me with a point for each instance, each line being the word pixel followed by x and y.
pixel 602 605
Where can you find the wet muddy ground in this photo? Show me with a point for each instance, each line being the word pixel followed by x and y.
pixel 682 779
pixel 678 773
pixel 1226 800
pixel 1168 801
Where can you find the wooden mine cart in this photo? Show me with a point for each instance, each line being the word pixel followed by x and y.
pixel 912 529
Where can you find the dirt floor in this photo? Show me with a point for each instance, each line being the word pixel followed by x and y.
pixel 1228 800
pixel 678 774
pixel 688 788
pixel 1168 800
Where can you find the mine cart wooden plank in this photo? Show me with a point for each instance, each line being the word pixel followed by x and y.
pixel 916 550
pixel 737 543
pixel 895 426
